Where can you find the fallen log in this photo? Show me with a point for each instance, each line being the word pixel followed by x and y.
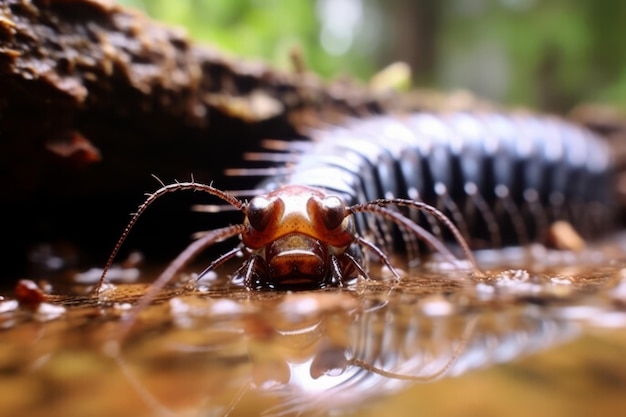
pixel 95 97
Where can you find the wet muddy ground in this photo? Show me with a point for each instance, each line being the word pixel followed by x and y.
pixel 542 332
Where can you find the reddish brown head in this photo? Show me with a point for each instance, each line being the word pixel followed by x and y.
pixel 296 229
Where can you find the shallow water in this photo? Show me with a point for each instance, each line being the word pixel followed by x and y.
pixel 543 335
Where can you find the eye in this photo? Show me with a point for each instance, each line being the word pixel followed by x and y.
pixel 259 212
pixel 332 211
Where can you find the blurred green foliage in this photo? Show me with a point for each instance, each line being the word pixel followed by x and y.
pixel 264 29
pixel 554 53
pixel 550 54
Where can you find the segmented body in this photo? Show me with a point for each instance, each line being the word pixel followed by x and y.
pixel 504 178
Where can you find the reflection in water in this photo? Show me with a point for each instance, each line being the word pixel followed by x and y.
pixel 386 347
pixel 223 351
pixel 316 352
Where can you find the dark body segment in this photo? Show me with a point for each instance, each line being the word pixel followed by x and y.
pixel 504 177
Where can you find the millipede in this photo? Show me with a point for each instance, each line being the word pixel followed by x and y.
pixel 474 179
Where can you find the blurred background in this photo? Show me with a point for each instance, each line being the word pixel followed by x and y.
pixel 549 55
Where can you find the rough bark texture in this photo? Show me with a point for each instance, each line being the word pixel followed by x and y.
pixel 95 97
